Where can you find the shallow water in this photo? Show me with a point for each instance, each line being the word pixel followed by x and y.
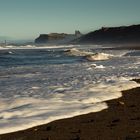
pixel 41 85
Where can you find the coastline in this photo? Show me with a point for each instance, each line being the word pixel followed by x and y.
pixel 120 121
pixel 122 47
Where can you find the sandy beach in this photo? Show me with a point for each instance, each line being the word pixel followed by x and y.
pixel 121 121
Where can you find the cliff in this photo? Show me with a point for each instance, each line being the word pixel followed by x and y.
pixel 123 34
pixel 57 38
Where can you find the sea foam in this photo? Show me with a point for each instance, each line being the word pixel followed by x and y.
pixel 42 92
pixel 22 113
pixel 98 57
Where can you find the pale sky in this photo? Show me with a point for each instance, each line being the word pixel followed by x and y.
pixel 26 19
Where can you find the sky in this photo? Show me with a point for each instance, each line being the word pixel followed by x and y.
pixel 26 19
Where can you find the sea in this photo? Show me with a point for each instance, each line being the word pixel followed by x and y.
pixel 41 84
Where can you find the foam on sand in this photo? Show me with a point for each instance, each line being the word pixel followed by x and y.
pixel 22 113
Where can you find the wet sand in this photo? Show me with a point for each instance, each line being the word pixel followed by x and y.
pixel 121 121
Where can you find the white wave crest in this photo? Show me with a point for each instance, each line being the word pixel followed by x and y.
pixel 99 56
pixel 37 47
pixel 76 52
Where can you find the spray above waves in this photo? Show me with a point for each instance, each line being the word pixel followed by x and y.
pixel 98 57
pixel 91 56
pixel 76 52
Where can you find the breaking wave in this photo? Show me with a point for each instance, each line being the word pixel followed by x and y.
pixel 38 86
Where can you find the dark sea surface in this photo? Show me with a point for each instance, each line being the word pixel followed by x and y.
pixel 20 57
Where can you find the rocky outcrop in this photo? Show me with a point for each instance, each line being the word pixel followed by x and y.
pixel 57 38
pixel 123 34
pixel 44 38
pixel 78 33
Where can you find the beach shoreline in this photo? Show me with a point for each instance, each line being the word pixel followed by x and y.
pixel 120 121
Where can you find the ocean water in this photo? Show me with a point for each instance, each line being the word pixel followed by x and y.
pixel 40 85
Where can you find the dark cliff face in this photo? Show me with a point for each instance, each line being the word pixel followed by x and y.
pixel 57 38
pixel 124 34
pixel 44 38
